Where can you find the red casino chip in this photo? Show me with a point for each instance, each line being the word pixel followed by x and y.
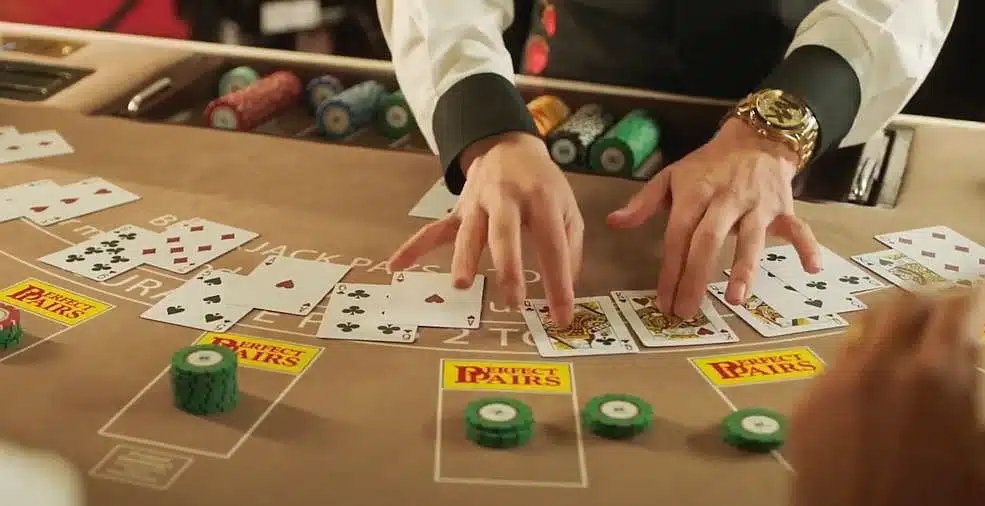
pixel 535 55
pixel 548 19
pixel 9 316
pixel 250 107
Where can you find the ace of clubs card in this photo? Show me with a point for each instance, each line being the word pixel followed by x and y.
pixel 359 312
pixel 197 241
pixel 596 329
pixel 199 304
pixel 77 199
pixel 287 285
pixel 107 254
pixel 428 299
pixel 656 329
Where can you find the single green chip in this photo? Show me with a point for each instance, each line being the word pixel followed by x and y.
pixel 492 439
pixel 755 429
pixel 10 336
pixel 237 79
pixel 616 416
pixel 203 379
pixel 498 414
pixel 624 147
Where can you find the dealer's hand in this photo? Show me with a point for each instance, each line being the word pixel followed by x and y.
pixel 512 184
pixel 737 182
pixel 894 422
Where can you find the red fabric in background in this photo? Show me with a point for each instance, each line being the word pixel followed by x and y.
pixel 149 17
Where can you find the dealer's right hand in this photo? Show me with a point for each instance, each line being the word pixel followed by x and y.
pixel 895 421
pixel 512 185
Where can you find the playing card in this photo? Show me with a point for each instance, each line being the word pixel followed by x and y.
pixel 438 202
pixel 287 285
pixel 769 322
pixel 8 132
pixel 107 254
pixel 21 147
pixel 191 243
pixel 940 249
pixel 199 304
pixel 791 302
pixel 74 200
pixel 596 329
pixel 428 299
pixel 359 312
pixel 13 199
pixel 837 274
pixel 656 329
pixel 902 270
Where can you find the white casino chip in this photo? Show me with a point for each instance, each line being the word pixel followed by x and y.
pixel 564 151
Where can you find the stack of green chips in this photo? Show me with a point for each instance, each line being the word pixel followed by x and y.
pixel 626 145
pixel 497 422
pixel 616 416
pixel 756 430
pixel 10 327
pixel 203 379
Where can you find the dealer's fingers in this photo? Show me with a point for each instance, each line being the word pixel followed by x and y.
pixel 798 233
pixel 548 230
pixel 504 231
pixel 685 213
pixel 469 243
pixel 429 237
pixel 702 256
pixel 749 244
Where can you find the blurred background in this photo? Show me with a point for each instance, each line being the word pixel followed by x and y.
pixel 955 89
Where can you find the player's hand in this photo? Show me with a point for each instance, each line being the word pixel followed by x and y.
pixel 738 182
pixel 512 184
pixel 895 421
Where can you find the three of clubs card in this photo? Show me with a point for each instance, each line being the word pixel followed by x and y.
pixel 287 285
pixel 656 329
pixel 360 312
pixel 596 329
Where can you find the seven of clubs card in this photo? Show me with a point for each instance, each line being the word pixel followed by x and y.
pixel 769 322
pixel 197 241
pixel 287 285
pixel 429 300
pixel 656 329
pixel 360 312
pixel 200 304
pixel 596 329
pixel 107 254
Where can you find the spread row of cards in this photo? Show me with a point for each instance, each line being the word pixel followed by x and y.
pixel 19 147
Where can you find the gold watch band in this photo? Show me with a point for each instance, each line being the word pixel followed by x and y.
pixel 779 116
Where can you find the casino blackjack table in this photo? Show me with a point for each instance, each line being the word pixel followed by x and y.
pixel 196 307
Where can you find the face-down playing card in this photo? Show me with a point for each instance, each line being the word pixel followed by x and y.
pixel 76 199
pixel 428 299
pixel 771 323
pixel 199 304
pixel 656 329
pixel 192 243
pixel 359 312
pixel 107 254
pixel 596 329
pixel 287 285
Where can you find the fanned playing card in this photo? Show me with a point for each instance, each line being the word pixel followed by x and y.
pixel 76 199
pixel 655 329
pixel 902 270
pixel 791 300
pixel 596 329
pixel 14 199
pixel 287 285
pixel 771 323
pixel 192 243
pixel 359 312
pixel 942 250
pixel 199 304
pixel 837 274
pixel 437 203
pixel 16 147
pixel 428 299
pixel 107 254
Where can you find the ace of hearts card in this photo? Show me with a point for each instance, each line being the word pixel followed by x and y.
pixel 287 285
pixel 655 329
pixel 596 329
pixel 428 299
pixel 359 312
pixel 199 304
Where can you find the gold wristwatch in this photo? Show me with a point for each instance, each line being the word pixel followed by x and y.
pixel 781 117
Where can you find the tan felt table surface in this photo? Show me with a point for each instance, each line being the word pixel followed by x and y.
pixel 361 423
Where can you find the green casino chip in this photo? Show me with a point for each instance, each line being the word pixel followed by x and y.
pixel 756 430
pixel 203 379
pixel 499 415
pixel 394 118
pixel 237 79
pixel 10 327
pixel 616 416
pixel 489 439
pixel 626 145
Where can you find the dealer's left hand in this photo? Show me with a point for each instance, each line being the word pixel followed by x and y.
pixel 738 182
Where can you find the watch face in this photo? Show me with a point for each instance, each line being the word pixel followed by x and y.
pixel 780 110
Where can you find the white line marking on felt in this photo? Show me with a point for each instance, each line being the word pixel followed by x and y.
pixel 510 483
pixel 438 416
pixel 579 436
pixel 728 402
pixel 113 452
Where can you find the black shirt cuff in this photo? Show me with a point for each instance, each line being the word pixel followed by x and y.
pixel 827 83
pixel 474 108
